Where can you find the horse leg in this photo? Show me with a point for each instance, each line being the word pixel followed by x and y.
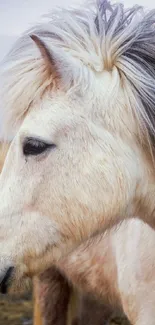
pixel 146 319
pixel 52 294
pixel 57 304
pixel 93 312
pixel 145 316
pixel 37 317
pixel 139 304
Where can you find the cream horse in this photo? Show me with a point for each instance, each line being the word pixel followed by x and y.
pixel 55 301
pixel 78 95
pixel 116 268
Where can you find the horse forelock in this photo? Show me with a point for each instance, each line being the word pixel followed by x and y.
pixel 100 36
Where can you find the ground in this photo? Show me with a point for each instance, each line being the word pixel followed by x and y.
pixel 17 310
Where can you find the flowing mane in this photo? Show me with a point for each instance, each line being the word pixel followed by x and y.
pixel 96 39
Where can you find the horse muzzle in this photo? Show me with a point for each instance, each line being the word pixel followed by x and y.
pixel 6 279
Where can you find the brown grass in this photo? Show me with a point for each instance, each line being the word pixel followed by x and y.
pixel 16 310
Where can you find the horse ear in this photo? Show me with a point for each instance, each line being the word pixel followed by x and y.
pixel 58 63
pixel 47 54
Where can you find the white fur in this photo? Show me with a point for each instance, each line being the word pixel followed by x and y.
pixel 101 169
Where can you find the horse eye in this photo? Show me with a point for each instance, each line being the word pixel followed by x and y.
pixel 35 147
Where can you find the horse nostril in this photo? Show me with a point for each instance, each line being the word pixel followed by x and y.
pixel 4 285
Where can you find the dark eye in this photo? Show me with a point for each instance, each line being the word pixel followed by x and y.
pixel 35 147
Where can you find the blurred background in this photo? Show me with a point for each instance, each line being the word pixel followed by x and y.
pixel 18 15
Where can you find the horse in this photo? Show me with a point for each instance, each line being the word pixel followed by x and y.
pixel 77 95
pixel 112 273
pixel 4 146
pixel 57 302
pixel 54 299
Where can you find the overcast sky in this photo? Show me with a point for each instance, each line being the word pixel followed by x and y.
pixel 18 15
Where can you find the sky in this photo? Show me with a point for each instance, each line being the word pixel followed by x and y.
pixel 18 15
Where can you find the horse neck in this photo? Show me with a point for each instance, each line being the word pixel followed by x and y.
pixel 145 205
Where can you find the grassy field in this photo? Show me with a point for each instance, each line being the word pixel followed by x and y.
pixel 15 310
pixel 18 310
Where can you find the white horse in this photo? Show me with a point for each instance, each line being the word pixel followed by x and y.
pixel 78 92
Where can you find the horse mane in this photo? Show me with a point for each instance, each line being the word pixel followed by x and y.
pixel 99 37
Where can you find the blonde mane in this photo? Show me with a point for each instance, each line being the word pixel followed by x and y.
pixel 93 40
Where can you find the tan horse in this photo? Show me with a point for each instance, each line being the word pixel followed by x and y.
pixel 79 96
